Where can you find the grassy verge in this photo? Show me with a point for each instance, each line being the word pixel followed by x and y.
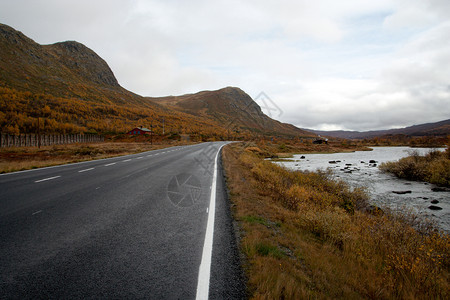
pixel 433 167
pixel 25 158
pixel 305 236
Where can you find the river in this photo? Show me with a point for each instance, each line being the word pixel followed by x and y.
pixel 360 169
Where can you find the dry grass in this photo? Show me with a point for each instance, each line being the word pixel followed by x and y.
pixel 287 148
pixel 25 158
pixel 433 167
pixel 308 237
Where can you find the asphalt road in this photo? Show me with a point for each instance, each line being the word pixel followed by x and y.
pixel 126 227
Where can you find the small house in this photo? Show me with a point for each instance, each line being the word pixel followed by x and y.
pixel 139 131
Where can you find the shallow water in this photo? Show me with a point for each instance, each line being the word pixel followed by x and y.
pixel 357 169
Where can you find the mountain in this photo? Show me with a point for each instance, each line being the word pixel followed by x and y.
pixel 73 90
pixel 67 69
pixel 233 108
pixel 441 128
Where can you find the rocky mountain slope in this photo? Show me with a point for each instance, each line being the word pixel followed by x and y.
pixel 67 69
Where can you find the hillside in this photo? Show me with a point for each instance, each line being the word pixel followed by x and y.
pixel 73 90
pixel 441 128
pixel 67 69
pixel 219 105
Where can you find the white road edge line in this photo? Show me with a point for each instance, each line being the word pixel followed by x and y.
pixel 204 273
pixel 45 179
pixel 85 170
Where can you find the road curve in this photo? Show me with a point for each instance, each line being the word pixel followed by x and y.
pixel 125 227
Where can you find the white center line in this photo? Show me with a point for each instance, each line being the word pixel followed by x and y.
pixel 110 164
pixel 140 157
pixel 126 160
pixel 149 155
pixel 37 212
pixel 45 179
pixel 85 170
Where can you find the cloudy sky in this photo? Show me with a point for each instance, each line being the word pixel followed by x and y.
pixel 327 64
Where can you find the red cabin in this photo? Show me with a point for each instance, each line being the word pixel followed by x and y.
pixel 139 130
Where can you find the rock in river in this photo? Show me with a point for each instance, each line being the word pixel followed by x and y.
pixel 439 189
pixel 402 192
pixel 434 207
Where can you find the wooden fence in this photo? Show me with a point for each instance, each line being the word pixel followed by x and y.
pixel 34 140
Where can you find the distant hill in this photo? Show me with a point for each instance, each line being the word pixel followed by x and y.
pixel 441 128
pixel 74 90
pixel 233 108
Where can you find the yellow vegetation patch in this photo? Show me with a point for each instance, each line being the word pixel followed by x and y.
pixel 433 167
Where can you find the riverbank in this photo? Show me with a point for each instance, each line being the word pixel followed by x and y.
pixel 360 169
pixel 287 148
pixel 434 167
pixel 306 236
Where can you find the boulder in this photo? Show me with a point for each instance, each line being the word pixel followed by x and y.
pixel 439 189
pixel 434 207
pixel 402 192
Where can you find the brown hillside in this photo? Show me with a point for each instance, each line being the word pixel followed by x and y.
pixel 67 69
pixel 232 108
